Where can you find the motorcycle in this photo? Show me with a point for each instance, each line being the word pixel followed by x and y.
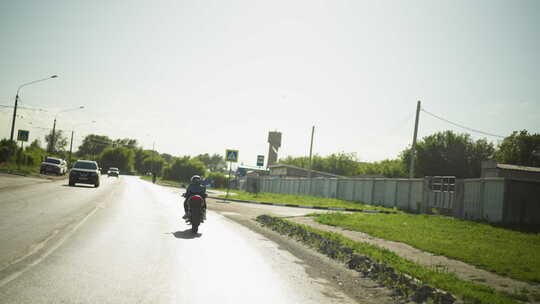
pixel 196 211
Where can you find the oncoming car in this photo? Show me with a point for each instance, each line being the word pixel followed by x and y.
pixel 85 172
pixel 113 172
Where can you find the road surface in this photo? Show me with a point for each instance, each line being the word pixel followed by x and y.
pixel 124 242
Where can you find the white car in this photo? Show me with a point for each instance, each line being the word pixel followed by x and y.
pixel 113 172
pixel 53 165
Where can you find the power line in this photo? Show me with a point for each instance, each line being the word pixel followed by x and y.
pixel 23 107
pixel 462 126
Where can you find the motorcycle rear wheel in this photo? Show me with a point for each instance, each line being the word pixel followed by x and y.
pixel 194 229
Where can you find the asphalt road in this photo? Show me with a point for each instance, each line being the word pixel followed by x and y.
pixel 124 242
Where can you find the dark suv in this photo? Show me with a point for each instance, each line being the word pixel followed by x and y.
pixel 85 172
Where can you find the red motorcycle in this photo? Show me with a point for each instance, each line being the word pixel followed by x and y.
pixel 196 212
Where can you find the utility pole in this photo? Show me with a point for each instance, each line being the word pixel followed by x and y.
pixel 51 144
pixel 14 115
pixel 71 147
pixel 413 148
pixel 152 161
pixel 311 152
pixel 310 159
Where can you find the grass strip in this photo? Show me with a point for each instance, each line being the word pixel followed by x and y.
pixel 469 292
pixel 506 252
pixel 19 169
pixel 304 200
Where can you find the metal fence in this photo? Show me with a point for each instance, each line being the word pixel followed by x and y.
pixel 487 199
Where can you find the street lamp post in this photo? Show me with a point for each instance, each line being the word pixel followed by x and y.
pixel 17 101
pixel 53 138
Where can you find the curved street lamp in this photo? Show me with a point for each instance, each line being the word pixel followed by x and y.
pixel 17 101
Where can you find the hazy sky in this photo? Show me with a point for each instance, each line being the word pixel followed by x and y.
pixel 204 76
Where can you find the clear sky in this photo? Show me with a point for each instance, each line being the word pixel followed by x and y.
pixel 203 76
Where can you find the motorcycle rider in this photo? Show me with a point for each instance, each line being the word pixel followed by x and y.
pixel 195 188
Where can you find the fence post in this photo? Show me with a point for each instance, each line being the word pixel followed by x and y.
pixel 354 190
pixel 372 192
pixel 459 197
pixel 482 187
pixel 409 195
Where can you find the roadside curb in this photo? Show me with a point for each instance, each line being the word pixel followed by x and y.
pixel 304 207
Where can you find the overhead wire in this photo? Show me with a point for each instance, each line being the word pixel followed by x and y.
pixel 460 125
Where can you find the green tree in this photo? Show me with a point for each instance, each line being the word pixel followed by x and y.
pixel 34 154
pixel 217 179
pixel 302 161
pixel 153 164
pixel 345 164
pixel 520 148
pixel 121 157
pixel 214 162
pixel 448 153
pixel 182 169
pixel 392 168
pixel 8 149
pixel 167 158
pixel 93 145
pixel 60 141
pixel 125 142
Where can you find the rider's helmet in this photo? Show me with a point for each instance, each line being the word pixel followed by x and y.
pixel 195 179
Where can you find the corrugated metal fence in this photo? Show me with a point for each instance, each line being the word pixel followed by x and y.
pixel 474 199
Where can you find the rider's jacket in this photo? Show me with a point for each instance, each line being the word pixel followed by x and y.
pixel 195 188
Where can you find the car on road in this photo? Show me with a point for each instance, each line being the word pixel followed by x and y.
pixel 113 172
pixel 85 172
pixel 54 165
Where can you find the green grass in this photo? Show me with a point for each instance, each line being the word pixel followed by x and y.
pixel 470 292
pixel 19 169
pixel 506 252
pixel 304 200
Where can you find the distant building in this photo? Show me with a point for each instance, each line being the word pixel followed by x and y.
pixel 283 170
pixel 491 168
pixel 244 170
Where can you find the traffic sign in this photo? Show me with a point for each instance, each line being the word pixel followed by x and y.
pixel 22 135
pixel 231 155
pixel 260 160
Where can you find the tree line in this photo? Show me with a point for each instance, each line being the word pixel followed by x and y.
pixel 124 154
pixel 442 153
pixel 127 156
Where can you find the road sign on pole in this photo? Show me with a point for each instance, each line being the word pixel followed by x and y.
pixel 231 155
pixel 260 160
pixel 22 135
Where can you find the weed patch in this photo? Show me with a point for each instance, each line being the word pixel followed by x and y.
pixel 304 200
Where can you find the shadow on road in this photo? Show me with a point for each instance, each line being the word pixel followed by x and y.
pixel 186 234
pixel 79 186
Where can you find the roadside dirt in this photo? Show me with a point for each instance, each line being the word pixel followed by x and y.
pixel 461 269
